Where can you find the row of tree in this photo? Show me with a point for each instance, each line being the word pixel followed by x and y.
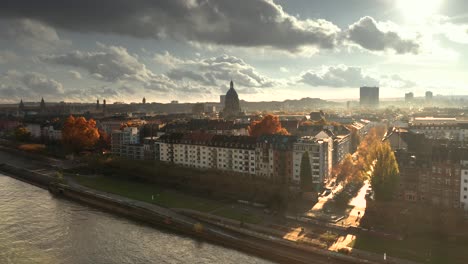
pixel 374 156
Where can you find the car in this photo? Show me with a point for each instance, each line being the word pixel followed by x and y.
pixel 326 192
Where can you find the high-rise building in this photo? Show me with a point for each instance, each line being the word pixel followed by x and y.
pixel 232 104
pixel 369 96
pixel 429 96
pixel 97 104
pixel 144 100
pixel 409 97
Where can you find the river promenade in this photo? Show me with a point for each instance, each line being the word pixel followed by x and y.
pixel 257 243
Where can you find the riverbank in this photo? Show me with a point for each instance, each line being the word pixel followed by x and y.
pixel 155 215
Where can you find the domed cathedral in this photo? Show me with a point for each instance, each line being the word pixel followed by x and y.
pixel 232 104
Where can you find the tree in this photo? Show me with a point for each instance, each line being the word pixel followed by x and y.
pixel 79 134
pixel 104 141
pixel 345 169
pixel 385 176
pixel 355 139
pixel 306 173
pixel 22 134
pixel 269 125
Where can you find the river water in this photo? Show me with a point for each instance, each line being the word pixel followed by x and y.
pixel 36 227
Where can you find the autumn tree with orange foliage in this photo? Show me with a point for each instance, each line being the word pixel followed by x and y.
pixel 269 125
pixel 79 134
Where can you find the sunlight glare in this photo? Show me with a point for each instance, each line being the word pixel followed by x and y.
pixel 418 10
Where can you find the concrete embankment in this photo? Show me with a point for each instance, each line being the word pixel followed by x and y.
pixel 28 176
pixel 160 216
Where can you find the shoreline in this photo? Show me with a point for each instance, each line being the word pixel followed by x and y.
pixel 279 251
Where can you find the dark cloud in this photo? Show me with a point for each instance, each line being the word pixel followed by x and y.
pixel 30 34
pixel 112 64
pixel 338 76
pixel 31 84
pixel 245 23
pixel 367 33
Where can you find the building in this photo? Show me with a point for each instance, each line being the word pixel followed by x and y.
pixel 52 132
pixel 320 154
pixel 369 97
pixel 341 147
pixel 198 109
pixel 432 172
pixel 409 97
pixel 317 116
pixel 464 184
pixel 208 151
pixel 126 143
pixel 429 96
pixel 441 128
pixel 232 104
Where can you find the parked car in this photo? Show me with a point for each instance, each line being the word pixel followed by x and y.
pixel 326 192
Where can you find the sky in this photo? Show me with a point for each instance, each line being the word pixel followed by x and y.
pixel 189 50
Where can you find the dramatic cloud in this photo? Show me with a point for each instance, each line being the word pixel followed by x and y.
pixel 32 84
pixel 112 64
pixel 338 76
pixel 215 71
pixel 30 34
pixel 246 23
pixel 378 36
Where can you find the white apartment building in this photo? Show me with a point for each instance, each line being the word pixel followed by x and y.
pixel 208 151
pixel 320 154
pixel 264 160
pixel 464 185
pixel 441 128
pixel 126 143
pixel 50 133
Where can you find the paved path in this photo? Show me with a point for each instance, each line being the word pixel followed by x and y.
pixel 359 204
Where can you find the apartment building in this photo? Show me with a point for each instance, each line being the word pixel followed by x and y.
pixel 209 151
pixel 441 128
pixel 321 158
pixel 126 143
pixel 464 184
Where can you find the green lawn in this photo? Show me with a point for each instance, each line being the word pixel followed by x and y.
pixel 421 249
pixel 238 214
pixel 143 191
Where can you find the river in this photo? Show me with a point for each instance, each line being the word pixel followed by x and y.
pixel 36 227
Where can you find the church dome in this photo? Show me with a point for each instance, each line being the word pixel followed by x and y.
pixel 232 104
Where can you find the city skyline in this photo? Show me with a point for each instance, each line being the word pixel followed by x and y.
pixel 190 50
